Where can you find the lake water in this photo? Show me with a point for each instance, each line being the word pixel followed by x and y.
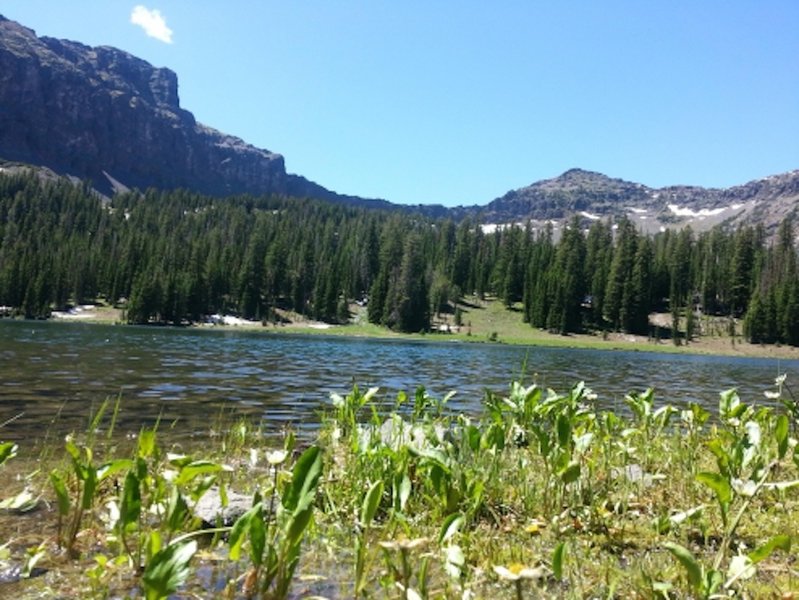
pixel 53 374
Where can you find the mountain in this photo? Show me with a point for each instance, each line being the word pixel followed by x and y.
pixel 594 196
pixel 105 115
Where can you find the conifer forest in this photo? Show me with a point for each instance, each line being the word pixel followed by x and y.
pixel 175 257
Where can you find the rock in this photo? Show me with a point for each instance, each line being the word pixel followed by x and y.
pixel 211 511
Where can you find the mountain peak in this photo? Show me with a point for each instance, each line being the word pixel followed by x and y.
pixel 577 172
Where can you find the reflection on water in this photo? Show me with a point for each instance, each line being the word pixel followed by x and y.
pixel 55 373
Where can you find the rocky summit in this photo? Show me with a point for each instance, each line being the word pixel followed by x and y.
pixel 593 196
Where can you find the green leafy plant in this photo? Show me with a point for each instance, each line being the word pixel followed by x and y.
pixel 168 569
pixel 371 502
pixel 746 460
pixel 275 530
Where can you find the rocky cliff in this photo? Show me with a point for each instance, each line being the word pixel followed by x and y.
pixel 103 114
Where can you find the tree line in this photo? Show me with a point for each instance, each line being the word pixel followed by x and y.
pixel 176 257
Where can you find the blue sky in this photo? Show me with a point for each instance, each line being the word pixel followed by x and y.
pixel 459 102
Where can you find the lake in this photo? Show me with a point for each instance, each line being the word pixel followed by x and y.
pixel 54 374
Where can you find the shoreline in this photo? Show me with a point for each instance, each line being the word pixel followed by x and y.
pixel 511 333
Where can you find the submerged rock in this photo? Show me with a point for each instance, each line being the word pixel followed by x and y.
pixel 214 513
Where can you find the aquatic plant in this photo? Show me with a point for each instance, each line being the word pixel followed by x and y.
pixel 540 494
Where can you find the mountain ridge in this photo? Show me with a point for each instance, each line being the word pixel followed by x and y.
pixel 594 195
pixel 103 114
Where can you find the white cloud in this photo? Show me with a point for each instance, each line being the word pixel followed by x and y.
pixel 152 22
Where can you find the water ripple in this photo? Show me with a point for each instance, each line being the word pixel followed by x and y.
pixel 57 373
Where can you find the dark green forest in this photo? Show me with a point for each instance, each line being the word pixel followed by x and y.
pixel 175 257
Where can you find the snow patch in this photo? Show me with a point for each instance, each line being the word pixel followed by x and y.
pixel 230 320
pixel 493 227
pixel 637 211
pixel 588 215
pixel 704 212
pixel 83 311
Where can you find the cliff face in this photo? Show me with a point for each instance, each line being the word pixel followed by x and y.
pixel 100 112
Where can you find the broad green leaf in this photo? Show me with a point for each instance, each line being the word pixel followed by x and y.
pixel 717 483
pixel 130 508
pixel 61 493
pixel 558 556
pixel 168 570
pixel 152 546
pixel 713 581
pixel 72 450
pixel 305 476
pixel 146 443
pixel 571 473
pixel 257 537
pixel 371 502
pixel 35 554
pixel 240 528
pixel 195 468
pixel 472 434
pixel 687 560
pixel 89 487
pixel 781 435
pixel 728 403
pixel 564 428
pixel 8 450
pixel 781 542
pixel 723 458
pixel 299 522
pixel 437 457
pixel 177 510
pixel 450 527
pixel 113 467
